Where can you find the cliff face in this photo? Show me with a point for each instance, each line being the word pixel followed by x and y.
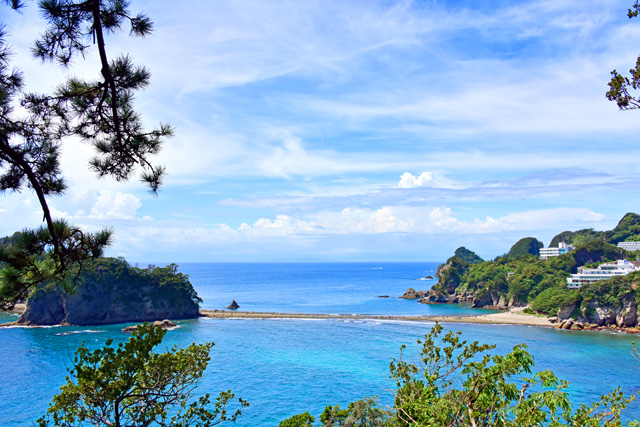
pixel 623 313
pixel 114 292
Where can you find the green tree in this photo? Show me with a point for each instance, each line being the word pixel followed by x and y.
pixel 99 112
pixel 459 384
pixel 299 420
pixel 361 413
pixel 131 385
pixel 621 87
pixel 525 247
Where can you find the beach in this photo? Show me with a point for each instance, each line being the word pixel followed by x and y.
pixel 514 316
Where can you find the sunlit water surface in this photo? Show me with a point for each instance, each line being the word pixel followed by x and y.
pixel 283 367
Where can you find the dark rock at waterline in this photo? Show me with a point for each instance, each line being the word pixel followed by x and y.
pixel 433 297
pixel 413 294
pixel 233 306
pixel 114 292
pixel 383 296
pixel 164 324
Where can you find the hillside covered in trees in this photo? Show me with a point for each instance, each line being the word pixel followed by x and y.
pixel 519 278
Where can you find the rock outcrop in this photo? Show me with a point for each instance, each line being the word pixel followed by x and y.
pixel 233 306
pixel 165 324
pixel 114 292
pixel 623 314
pixel 413 294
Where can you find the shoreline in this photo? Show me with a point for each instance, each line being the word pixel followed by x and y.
pixel 512 317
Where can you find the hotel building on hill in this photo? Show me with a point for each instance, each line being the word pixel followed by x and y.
pixel 563 248
pixel 629 246
pixel 604 271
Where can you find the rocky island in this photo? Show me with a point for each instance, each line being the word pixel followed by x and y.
pixel 112 291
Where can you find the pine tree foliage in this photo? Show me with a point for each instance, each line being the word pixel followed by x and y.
pixel 100 112
pixel 620 87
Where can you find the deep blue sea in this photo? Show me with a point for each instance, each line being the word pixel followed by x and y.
pixel 283 367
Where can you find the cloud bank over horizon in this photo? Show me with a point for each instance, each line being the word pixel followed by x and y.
pixel 359 130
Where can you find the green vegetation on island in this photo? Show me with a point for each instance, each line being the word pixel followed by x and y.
pixel 521 278
pixel 628 229
pixel 525 247
pixel 112 291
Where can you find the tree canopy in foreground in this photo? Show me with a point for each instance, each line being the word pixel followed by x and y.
pixel 33 128
pixel 131 385
pixel 453 383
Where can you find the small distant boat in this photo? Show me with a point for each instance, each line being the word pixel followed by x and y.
pixel 377 268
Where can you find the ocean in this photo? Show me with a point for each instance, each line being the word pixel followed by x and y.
pixel 284 367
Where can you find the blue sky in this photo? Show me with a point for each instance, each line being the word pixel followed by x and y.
pixel 360 130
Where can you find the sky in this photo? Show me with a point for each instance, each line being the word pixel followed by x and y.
pixel 358 130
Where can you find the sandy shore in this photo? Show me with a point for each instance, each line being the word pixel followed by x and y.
pixel 511 317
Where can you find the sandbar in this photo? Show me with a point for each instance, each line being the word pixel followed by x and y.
pixel 514 316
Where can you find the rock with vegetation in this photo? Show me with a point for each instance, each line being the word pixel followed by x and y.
pixel 595 252
pixel 112 291
pixel 628 229
pixel 520 278
pixel 453 273
pixel 467 255
pixel 525 247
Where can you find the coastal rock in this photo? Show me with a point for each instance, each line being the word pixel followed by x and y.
pixel 566 324
pixel 383 296
pixel 564 313
pixel 627 317
pixel 413 294
pixel 233 306
pixel 488 299
pixel 113 292
pixel 453 299
pixel 601 315
pixel 502 302
pixel 166 323
pixel 435 297
pixel 428 277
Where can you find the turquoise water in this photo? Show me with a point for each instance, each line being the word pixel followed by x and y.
pixel 337 288
pixel 284 367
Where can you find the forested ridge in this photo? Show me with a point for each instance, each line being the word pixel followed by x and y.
pixel 521 278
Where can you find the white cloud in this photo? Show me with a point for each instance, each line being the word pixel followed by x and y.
pixel 425 179
pixel 402 219
pixel 102 205
pixel 110 205
pixel 282 225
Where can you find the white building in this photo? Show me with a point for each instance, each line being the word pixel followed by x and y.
pixel 604 271
pixel 629 246
pixel 563 248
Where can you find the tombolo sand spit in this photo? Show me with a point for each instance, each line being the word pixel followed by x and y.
pixel 511 317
